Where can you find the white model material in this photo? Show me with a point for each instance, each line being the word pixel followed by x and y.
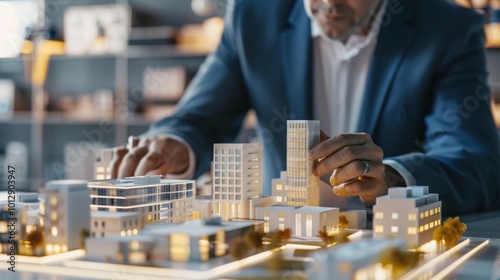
pixel 354 260
pixel 298 186
pixel 237 178
pixel 189 241
pixel 67 215
pixel 156 199
pixel 202 207
pixel 356 218
pixel 104 223
pixel 102 169
pixel 304 221
pixel 409 213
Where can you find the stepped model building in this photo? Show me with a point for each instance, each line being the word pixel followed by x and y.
pixel 301 186
pixel 237 179
pixel 67 215
pixel 409 213
pixel 157 200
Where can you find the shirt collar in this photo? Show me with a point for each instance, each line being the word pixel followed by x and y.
pixel 355 43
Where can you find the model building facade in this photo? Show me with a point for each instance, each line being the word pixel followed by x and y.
pixel 407 213
pixel 67 215
pixel 301 186
pixel 237 178
pixel 105 223
pixel 156 199
pixel 304 221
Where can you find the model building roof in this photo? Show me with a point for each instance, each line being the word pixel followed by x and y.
pixel 195 228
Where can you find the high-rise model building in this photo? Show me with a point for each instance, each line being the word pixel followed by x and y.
pixel 302 186
pixel 156 199
pixel 407 213
pixel 237 179
pixel 67 215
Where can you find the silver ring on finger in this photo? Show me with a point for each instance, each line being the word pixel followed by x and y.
pixel 366 169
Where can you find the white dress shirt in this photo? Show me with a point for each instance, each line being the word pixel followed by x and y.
pixel 339 80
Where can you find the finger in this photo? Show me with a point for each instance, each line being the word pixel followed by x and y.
pixel 118 154
pixel 353 170
pixel 345 156
pixel 363 187
pixel 131 160
pixel 336 143
pixel 150 161
pixel 144 141
pixel 164 169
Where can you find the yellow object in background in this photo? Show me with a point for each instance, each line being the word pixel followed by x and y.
pixel 46 50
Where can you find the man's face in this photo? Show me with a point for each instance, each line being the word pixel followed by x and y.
pixel 338 19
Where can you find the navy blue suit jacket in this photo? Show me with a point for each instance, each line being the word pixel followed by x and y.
pixel 426 101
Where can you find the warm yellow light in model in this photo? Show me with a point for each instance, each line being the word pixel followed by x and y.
pixel 123 233
pixel 54 231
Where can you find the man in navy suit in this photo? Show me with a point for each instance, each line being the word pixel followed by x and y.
pixel 400 85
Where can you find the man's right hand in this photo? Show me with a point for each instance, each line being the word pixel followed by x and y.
pixel 159 155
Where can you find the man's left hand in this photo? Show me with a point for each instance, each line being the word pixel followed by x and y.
pixel 356 165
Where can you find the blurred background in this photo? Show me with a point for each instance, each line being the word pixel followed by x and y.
pixel 80 75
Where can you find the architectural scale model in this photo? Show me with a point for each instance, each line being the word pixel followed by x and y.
pixel 157 200
pixel 102 169
pixel 149 221
pixel 190 241
pixel 105 223
pixel 408 213
pixel 237 180
pixel 354 260
pixel 301 186
pixel 304 221
pixel 66 215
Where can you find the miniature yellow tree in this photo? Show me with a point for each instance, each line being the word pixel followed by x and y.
pixel 343 222
pixel 327 238
pixel 36 239
pixel 450 232
pixel 398 261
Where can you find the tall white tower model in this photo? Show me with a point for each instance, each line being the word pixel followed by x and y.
pixel 301 185
pixel 237 179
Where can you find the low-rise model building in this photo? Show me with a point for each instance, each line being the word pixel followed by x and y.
pixel 304 221
pixel 407 213
pixel 157 200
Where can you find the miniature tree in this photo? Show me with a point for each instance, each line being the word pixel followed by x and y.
pixel 255 239
pixel 36 239
pixel 327 238
pixel 343 222
pixel 398 260
pixel 450 232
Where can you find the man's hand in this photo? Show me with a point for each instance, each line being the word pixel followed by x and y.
pixel 160 155
pixel 343 155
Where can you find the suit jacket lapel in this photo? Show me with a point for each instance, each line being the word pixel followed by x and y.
pixel 297 62
pixel 396 35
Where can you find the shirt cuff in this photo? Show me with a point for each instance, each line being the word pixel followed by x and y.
pixel 189 173
pixel 409 179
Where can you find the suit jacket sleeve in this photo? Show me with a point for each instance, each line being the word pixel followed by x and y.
pixel 214 104
pixel 460 156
